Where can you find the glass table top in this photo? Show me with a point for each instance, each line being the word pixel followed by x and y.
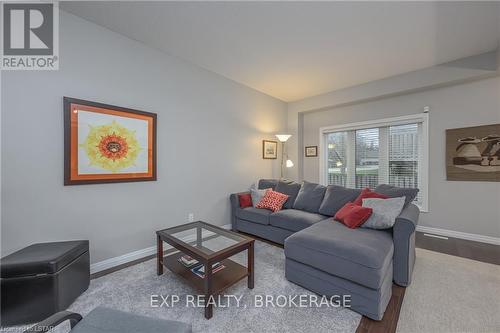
pixel 204 237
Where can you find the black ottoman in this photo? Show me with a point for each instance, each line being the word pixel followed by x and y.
pixel 42 279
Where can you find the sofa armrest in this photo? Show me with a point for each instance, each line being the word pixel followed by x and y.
pixel 235 205
pixel 54 320
pixel 403 234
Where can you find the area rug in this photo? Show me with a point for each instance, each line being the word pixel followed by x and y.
pixel 451 294
pixel 130 290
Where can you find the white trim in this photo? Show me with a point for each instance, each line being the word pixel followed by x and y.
pixel 323 154
pixel 460 235
pixel 436 236
pixel 423 171
pixel 139 254
pixel 120 260
pixel 402 120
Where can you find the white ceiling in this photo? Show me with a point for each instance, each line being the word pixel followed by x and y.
pixel 293 50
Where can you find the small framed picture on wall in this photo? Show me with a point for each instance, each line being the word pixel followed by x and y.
pixel 269 150
pixel 311 151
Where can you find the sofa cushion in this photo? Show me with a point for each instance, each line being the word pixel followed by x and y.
pixel 309 197
pixel 245 200
pixel 268 183
pixel 336 197
pixel 394 192
pixel 253 214
pixel 359 255
pixel 273 201
pixel 367 193
pixel 294 220
pixel 385 212
pixel 289 188
pixel 352 215
pixel 257 194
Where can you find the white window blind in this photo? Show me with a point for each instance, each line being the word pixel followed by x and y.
pixel 391 151
pixel 367 157
pixel 404 156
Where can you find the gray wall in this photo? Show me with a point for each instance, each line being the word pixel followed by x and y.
pixel 209 144
pixel 471 207
pixel 461 70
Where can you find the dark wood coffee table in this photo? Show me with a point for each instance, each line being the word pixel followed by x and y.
pixel 208 244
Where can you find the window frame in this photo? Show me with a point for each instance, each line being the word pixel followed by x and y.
pixel 423 167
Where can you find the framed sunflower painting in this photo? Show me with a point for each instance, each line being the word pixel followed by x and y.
pixel 107 144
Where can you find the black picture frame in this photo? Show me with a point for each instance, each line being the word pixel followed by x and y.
pixel 311 151
pixel 265 154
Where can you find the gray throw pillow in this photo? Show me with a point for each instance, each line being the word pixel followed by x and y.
pixel 267 183
pixel 256 194
pixel 395 192
pixel 309 197
pixel 289 188
pixel 336 197
pixel 385 212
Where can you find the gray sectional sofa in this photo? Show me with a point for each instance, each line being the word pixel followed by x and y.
pixel 325 256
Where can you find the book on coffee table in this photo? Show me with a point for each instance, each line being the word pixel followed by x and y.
pixel 200 270
pixel 187 261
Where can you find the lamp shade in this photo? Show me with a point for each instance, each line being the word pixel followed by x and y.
pixel 289 163
pixel 283 137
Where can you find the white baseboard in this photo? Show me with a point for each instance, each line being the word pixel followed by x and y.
pixel 460 235
pixel 120 260
pixel 131 256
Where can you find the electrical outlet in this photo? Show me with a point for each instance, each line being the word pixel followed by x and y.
pixel 191 217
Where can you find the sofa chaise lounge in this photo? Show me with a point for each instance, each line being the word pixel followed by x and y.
pixel 325 256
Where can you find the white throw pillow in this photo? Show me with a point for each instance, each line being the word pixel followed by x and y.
pixel 256 194
pixel 385 212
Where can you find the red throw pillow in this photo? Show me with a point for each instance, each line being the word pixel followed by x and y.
pixel 245 200
pixel 272 200
pixel 367 193
pixel 353 215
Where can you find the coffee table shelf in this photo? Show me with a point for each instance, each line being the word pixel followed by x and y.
pixel 231 274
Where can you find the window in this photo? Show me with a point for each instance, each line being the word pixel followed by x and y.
pixel 337 143
pixel 389 151
pixel 367 149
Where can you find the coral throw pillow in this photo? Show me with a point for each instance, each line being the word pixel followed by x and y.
pixel 245 200
pixel 353 215
pixel 367 193
pixel 272 200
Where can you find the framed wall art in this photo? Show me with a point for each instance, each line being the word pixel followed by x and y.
pixel 311 151
pixel 269 149
pixel 473 153
pixel 107 144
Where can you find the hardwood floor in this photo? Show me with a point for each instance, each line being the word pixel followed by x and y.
pixel 389 322
pixel 460 247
